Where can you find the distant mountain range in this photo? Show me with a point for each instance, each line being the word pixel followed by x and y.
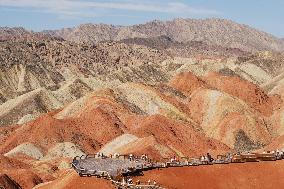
pixel 219 32
pixel 20 34
pixel 211 31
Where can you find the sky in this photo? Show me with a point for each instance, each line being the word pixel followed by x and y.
pixel 37 15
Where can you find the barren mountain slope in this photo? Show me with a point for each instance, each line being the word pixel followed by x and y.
pixel 134 108
pixel 26 66
pixel 33 103
pixel 185 49
pixel 7 32
pixel 252 94
pixel 21 34
pixel 211 31
pixel 227 118
pixel 102 117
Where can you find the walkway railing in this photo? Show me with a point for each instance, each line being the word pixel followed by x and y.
pixel 135 165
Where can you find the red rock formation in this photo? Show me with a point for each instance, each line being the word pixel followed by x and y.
pixel 187 82
pixel 245 90
pixel 177 136
pixel 91 130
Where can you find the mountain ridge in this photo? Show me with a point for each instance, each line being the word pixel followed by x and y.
pixel 212 31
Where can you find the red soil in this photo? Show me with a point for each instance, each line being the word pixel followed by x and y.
pixel 71 180
pixel 187 82
pixel 6 131
pixel 277 143
pixel 176 135
pixel 147 145
pixel 25 178
pixel 91 130
pixel 20 172
pixel 245 90
pixel 8 183
pixel 11 163
pixel 234 122
pixel 263 175
pixel 94 126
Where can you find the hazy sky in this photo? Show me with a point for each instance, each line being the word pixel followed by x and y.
pixel 267 15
